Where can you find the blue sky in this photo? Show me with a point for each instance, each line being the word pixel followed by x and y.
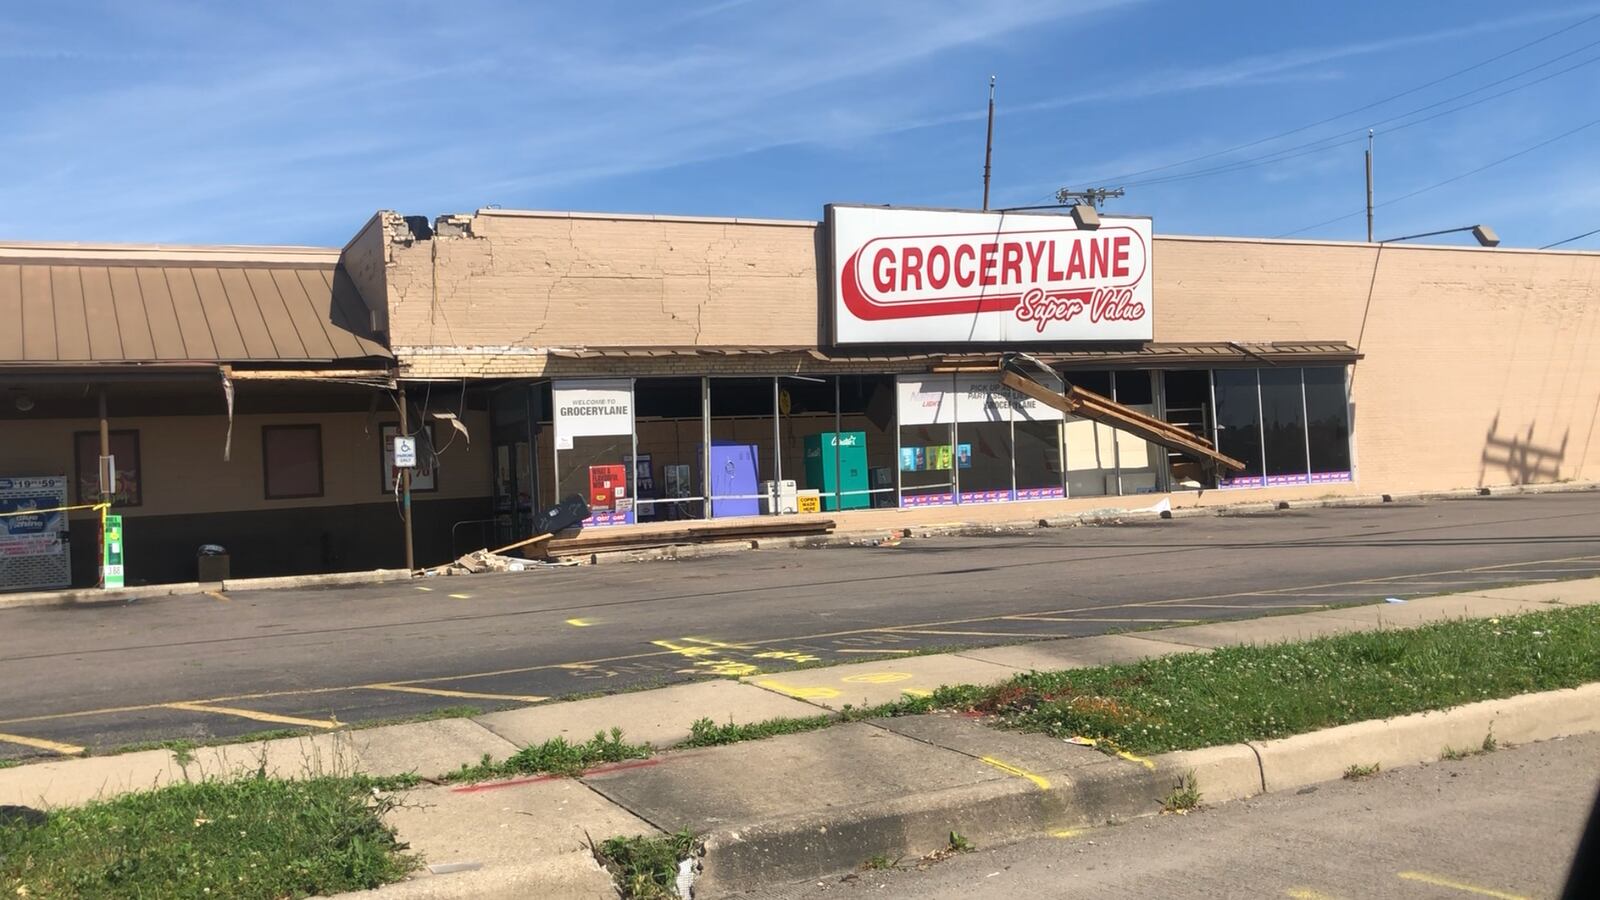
pixel 292 122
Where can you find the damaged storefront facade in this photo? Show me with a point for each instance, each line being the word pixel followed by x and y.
pixel 676 369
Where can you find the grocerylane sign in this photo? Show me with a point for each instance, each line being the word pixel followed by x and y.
pixel 930 276
pixel 591 407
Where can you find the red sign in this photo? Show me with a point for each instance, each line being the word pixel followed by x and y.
pixel 926 276
pixel 607 485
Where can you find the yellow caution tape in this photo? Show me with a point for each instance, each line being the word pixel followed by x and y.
pixel 36 512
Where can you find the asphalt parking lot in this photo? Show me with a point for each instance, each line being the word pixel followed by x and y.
pixel 214 666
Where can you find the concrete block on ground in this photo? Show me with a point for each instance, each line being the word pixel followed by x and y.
pixel 1270 630
pixel 661 717
pixel 1077 653
pixel 882 681
pixel 426 748
pixel 1423 737
pixel 1427 610
pixel 69 782
pixel 521 834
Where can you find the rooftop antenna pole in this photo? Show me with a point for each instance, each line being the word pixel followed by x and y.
pixel 988 145
pixel 1369 185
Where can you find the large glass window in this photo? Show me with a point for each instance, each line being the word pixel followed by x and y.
pixel 983 440
pixel 1239 424
pixel 866 407
pixel 670 432
pixel 1139 462
pixel 594 446
pixel 1091 448
pixel 743 448
pixel 1328 423
pixel 811 453
pixel 927 439
pixel 1188 405
pixel 1036 435
pixel 1283 423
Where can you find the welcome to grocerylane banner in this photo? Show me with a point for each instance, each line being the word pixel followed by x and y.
pixel 596 406
pixel 915 276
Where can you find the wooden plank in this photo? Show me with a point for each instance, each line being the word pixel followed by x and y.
pixel 105 338
pixel 1089 405
pixel 72 328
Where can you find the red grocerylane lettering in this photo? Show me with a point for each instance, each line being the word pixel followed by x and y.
pixel 1042 309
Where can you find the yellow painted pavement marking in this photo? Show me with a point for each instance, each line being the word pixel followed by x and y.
pixel 800 692
pixel 1069 833
pixel 218 595
pixel 1039 781
pixel 1028 618
pixel 257 715
pixel 441 692
pixel 916 692
pixel 580 623
pixel 43 744
pixel 1302 893
pixel 460 596
pixel 421 588
pixel 1441 881
pixel 1009 634
pixel 873 651
pixel 877 678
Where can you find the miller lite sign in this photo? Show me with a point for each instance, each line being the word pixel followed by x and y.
pixel 915 276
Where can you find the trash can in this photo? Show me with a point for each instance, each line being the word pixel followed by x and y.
pixel 212 563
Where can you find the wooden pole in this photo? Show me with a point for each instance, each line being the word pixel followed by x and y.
pixel 106 490
pixel 405 486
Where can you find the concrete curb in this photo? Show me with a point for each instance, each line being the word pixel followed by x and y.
pixel 374 576
pixel 100 596
pixel 839 840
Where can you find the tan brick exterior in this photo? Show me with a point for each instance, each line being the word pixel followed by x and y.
pixel 1479 367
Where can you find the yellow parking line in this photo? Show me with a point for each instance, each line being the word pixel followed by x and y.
pixel 460 596
pixel 421 588
pixel 42 744
pixel 441 692
pixel 1440 881
pixel 580 623
pixel 254 714
pixel 1306 894
pixel 1039 780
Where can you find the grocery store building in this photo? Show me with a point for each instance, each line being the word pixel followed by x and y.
pixel 669 368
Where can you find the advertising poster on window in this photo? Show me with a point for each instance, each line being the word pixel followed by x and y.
pixel 129 490
pixel 33 548
pixel 925 399
pixel 591 407
pixel 920 276
pixel 424 475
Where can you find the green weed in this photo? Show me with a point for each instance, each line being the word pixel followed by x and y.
pixel 1357 772
pixel 554 757
pixel 706 733
pixel 646 868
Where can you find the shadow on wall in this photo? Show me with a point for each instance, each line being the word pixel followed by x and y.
pixel 1522 461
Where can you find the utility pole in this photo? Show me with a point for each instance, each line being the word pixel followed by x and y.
pixel 1369 185
pixel 988 145
pixel 1095 197
pixel 405 486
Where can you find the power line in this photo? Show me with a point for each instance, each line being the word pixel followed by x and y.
pixel 1349 137
pixel 1451 180
pixel 1351 112
pixel 1576 237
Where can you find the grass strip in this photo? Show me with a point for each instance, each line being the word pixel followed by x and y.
pixel 255 838
pixel 646 868
pixel 706 733
pixel 556 756
pixel 1249 693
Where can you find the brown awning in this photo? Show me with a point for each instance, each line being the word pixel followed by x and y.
pixel 1215 355
pixel 87 311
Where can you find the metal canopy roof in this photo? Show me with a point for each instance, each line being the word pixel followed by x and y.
pixel 67 309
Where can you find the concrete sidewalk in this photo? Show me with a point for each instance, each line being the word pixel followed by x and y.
pixel 806 804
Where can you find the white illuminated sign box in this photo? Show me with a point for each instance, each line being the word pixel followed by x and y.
pixel 913 276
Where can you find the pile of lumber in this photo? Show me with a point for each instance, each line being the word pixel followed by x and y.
pixel 617 540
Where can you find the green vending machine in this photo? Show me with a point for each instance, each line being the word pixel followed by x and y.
pixel 844 470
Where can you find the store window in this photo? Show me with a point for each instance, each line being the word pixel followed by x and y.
pixel 1239 424
pixel 1036 442
pixel 671 433
pixel 1327 423
pixel 1139 462
pixel 867 408
pixel 1283 426
pixel 814 451
pixel 983 440
pixel 927 420
pixel 1091 448
pixel 594 446
pixel 291 461
pixel 1188 405
pixel 743 426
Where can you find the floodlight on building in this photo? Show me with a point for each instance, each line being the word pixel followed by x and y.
pixel 1086 216
pixel 1482 233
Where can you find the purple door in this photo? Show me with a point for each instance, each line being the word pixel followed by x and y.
pixel 734 485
